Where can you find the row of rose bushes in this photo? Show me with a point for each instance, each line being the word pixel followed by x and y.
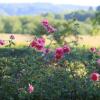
pixel 79 74
pixel 69 78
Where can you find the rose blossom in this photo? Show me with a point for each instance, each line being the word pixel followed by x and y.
pixel 39 47
pixel 38 44
pixel 59 53
pixel 12 37
pixel 2 42
pixel 95 76
pixel 93 50
pixel 45 22
pixel 30 88
pixel 48 27
pixel 41 40
pixel 33 43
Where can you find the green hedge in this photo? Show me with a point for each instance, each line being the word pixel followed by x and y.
pixel 68 79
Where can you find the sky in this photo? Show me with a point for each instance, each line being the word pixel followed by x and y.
pixel 73 2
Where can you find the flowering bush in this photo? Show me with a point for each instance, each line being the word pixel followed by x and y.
pixel 39 72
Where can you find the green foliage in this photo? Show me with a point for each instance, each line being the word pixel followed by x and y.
pixel 7 25
pixel 17 25
pixel 80 15
pixel 67 79
pixel 96 20
pixel 98 17
pixel 30 24
pixel 1 26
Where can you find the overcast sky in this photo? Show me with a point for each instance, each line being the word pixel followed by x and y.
pixel 74 2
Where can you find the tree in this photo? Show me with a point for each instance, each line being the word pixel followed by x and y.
pixel 7 25
pixel 17 26
pixel 97 21
pixel 1 26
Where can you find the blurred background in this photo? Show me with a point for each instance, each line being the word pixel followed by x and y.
pixel 23 18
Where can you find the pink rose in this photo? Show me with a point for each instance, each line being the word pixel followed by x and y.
pixel 33 43
pixel 2 42
pixel 30 88
pixel 59 53
pixel 38 44
pixel 48 27
pixel 41 40
pixel 45 22
pixel 12 37
pixel 93 50
pixel 39 47
pixel 95 76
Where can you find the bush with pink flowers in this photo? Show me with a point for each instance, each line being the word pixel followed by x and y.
pixel 40 72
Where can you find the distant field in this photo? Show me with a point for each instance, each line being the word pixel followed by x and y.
pixel 24 39
pixel 20 39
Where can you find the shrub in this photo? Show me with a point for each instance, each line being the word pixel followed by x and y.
pixel 35 73
pixel 67 79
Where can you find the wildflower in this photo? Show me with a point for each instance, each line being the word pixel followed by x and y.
pixel 95 76
pixel 2 42
pixel 66 49
pixel 12 37
pixel 30 88
pixel 93 50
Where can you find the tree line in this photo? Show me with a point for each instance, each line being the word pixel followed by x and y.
pixel 29 24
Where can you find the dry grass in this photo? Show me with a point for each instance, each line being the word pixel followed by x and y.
pixel 24 39
pixel 91 41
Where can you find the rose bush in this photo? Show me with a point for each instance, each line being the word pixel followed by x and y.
pixel 39 72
